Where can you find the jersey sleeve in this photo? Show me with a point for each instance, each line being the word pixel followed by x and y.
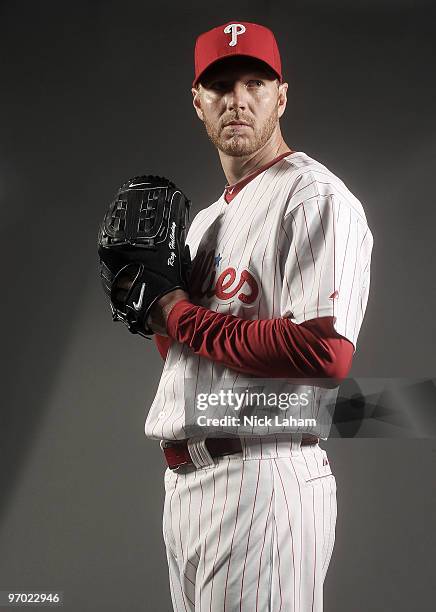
pixel 327 249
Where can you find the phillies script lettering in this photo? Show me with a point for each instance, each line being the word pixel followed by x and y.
pixel 227 286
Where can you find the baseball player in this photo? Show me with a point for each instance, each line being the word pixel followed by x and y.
pixel 279 288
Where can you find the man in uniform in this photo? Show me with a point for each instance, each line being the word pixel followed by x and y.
pixel 279 287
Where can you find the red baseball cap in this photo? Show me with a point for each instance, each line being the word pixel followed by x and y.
pixel 236 38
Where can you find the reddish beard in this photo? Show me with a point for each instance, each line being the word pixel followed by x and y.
pixel 247 143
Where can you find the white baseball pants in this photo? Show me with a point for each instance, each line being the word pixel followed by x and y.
pixel 253 531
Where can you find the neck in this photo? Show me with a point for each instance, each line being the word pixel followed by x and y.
pixel 237 168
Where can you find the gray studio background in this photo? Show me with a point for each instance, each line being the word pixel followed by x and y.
pixel 95 92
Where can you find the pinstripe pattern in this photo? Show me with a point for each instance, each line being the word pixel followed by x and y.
pixel 302 237
pixel 265 532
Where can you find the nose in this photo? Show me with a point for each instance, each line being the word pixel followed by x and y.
pixel 237 96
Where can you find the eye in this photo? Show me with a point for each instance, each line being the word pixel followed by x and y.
pixel 218 85
pixel 255 83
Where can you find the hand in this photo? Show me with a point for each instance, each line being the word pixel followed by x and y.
pixel 157 320
pixel 122 285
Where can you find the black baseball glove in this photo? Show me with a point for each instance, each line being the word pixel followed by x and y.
pixel 141 245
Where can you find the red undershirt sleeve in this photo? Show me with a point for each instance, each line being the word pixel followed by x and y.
pixel 265 348
pixel 163 344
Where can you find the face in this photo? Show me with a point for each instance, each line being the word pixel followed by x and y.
pixel 240 103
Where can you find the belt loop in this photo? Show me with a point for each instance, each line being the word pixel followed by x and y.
pixel 244 449
pixel 296 443
pixel 199 453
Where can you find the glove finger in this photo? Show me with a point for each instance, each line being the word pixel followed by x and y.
pixel 106 278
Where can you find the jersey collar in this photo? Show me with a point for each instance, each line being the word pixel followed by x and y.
pixel 230 191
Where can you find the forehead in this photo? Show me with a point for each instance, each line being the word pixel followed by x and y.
pixel 235 67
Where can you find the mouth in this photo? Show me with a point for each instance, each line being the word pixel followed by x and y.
pixel 236 122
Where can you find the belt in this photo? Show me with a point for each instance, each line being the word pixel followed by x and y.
pixel 177 453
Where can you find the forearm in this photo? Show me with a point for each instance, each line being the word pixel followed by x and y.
pixel 263 348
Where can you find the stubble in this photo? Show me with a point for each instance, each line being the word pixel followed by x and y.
pixel 239 145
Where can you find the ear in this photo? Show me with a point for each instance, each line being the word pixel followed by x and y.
pixel 282 98
pixel 196 101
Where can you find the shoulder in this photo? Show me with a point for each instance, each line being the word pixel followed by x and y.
pixel 209 211
pixel 309 181
pixel 205 217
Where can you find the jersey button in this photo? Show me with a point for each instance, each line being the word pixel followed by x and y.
pixel 162 413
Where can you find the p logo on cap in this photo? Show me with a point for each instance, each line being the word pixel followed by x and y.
pixel 235 29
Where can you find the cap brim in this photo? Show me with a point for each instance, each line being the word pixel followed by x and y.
pixel 223 59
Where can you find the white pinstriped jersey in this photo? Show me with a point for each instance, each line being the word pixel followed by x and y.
pixel 294 242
